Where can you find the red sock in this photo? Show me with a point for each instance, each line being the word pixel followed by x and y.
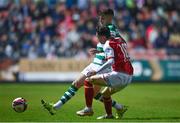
pixel 108 105
pixel 89 92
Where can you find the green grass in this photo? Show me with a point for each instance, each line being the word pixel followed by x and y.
pixel 147 102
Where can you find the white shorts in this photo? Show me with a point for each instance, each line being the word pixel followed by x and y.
pixel 117 79
pixel 94 67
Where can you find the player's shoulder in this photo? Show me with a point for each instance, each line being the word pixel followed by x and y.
pixel 111 41
pixel 100 44
pixel 118 40
pixel 107 44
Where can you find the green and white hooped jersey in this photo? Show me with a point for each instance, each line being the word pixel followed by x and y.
pixel 99 58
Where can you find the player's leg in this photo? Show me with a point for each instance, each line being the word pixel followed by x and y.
pixel 97 80
pixel 107 104
pixel 89 91
pixel 100 80
pixel 89 95
pixel 99 97
pixel 71 91
pixel 67 95
pixel 120 109
pixel 118 81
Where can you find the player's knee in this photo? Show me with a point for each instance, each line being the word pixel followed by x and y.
pixel 91 80
pixel 87 83
pixel 106 98
pixel 106 94
pixel 76 84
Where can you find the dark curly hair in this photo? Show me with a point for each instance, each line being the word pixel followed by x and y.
pixel 104 31
pixel 107 12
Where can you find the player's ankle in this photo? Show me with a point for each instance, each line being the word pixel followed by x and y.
pixel 109 115
pixel 89 108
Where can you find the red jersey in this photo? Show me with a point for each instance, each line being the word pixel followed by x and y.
pixel 117 48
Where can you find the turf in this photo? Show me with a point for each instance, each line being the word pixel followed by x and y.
pixel 147 102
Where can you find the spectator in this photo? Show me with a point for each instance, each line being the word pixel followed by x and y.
pixel 53 28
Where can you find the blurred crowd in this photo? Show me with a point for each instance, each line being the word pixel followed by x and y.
pixel 66 28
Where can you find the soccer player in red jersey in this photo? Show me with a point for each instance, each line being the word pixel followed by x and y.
pixel 121 75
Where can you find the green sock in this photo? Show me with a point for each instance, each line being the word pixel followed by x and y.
pixel 69 94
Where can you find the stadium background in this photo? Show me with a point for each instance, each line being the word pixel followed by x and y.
pixel 47 40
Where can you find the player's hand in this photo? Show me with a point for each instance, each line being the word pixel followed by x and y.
pixel 93 51
pixel 91 73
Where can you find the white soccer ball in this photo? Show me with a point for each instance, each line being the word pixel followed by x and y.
pixel 19 104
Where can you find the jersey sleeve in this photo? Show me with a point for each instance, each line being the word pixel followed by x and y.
pixel 108 50
pixel 100 47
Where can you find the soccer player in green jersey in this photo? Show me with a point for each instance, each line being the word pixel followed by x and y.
pixel 105 19
pixel 97 62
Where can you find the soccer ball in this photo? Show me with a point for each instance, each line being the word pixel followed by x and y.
pixel 19 104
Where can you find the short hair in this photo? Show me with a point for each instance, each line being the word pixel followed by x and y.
pixel 104 31
pixel 107 12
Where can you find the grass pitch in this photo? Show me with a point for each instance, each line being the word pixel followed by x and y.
pixel 147 102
